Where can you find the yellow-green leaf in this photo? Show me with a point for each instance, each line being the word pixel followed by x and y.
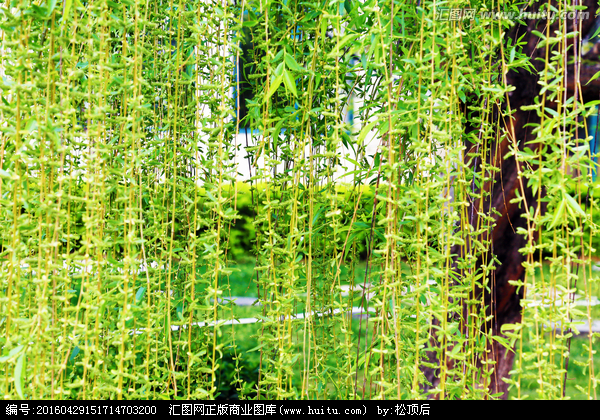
pixel 291 63
pixel 4 174
pixel 559 214
pixel 19 374
pixel 68 4
pixel 365 130
pixel 50 7
pixel 574 205
pixel 274 86
pixel 595 76
pixel 13 352
pixel 289 83
pixel 343 41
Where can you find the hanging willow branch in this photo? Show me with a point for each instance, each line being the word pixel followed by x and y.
pixel 425 168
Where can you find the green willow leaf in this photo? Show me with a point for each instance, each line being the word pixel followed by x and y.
pixel 18 375
pixel 559 215
pixel 366 130
pixel 292 64
pixel 574 205
pixel 66 10
pixel 50 7
pixel 12 353
pixel 274 86
pixel 290 84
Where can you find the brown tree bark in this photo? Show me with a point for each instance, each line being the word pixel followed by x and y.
pixel 503 301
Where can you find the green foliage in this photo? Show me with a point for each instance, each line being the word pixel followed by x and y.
pixel 242 235
pixel 237 376
pixel 124 225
